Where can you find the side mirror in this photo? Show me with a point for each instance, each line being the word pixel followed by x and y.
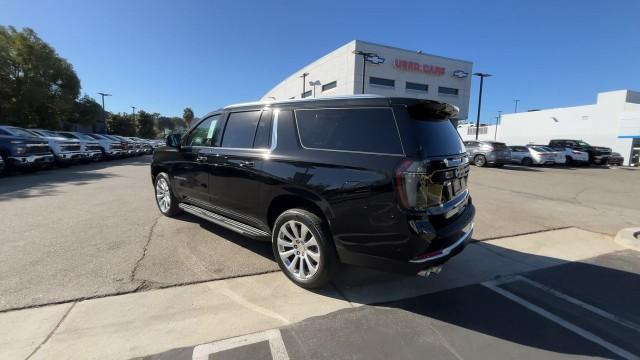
pixel 173 140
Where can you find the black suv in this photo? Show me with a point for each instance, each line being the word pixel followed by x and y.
pixel 364 180
pixel 598 155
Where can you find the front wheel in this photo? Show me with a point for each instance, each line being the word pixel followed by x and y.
pixel 303 249
pixel 166 201
pixel 527 162
pixel 480 161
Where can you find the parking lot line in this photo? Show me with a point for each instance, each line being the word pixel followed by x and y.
pixel 582 304
pixel 494 285
pixel 273 337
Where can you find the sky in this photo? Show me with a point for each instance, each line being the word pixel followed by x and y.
pixel 162 56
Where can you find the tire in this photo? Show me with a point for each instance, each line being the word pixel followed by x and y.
pixel 301 240
pixel 498 165
pixel 166 201
pixel 568 160
pixel 480 161
pixel 527 161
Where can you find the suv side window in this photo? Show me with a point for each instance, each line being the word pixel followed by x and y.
pixel 204 133
pixel 241 129
pixel 369 130
pixel 263 132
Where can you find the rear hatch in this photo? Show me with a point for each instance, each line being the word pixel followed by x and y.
pixel 434 180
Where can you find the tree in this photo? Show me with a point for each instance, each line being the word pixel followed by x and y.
pixel 39 88
pixel 86 111
pixel 146 125
pixel 187 115
pixel 121 124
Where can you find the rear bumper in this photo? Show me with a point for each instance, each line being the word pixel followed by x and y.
pixel 30 160
pixel 454 237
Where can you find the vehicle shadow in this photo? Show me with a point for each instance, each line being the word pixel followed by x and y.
pixel 516 168
pixel 19 185
pixel 455 301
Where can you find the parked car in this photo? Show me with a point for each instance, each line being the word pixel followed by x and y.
pixel 616 159
pixel 488 152
pixel 596 154
pixel 2 165
pixel 531 155
pixel 111 149
pixel 558 155
pixel 22 150
pixel 127 147
pixel 364 180
pixel 142 147
pixel 88 145
pixel 65 151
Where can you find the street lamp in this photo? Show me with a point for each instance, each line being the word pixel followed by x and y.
pixel 314 84
pixel 516 108
pixel 482 76
pixel 367 56
pixel 133 113
pixel 104 112
pixel 304 83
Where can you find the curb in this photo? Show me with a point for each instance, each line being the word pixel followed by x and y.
pixel 629 238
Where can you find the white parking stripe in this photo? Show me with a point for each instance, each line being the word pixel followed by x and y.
pixel 493 285
pixel 276 345
pixel 582 304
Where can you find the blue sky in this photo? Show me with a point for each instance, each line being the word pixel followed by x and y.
pixel 162 56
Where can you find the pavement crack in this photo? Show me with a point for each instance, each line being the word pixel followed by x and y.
pixel 132 275
pixel 55 328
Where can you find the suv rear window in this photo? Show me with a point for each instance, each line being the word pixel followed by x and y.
pixel 498 145
pixel 370 130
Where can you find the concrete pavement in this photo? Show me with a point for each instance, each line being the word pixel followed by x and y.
pixel 139 324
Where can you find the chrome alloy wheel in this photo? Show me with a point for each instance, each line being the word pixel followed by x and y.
pixel 163 195
pixel 298 249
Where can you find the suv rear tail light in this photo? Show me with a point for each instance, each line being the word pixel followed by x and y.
pixel 415 189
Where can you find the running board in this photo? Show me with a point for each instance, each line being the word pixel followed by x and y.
pixel 225 222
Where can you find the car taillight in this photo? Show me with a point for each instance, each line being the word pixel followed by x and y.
pixel 415 189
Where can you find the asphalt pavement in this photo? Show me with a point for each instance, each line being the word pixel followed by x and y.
pixel 580 309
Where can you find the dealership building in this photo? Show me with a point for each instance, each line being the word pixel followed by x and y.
pixel 613 121
pixel 361 67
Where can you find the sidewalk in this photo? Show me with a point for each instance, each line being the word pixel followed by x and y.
pixel 139 324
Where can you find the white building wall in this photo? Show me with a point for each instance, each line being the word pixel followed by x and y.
pixel 598 124
pixel 486 133
pixel 343 66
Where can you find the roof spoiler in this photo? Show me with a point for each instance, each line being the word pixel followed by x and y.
pixel 424 109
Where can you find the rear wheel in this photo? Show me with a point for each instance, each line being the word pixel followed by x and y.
pixel 480 160
pixel 303 249
pixel 166 201
pixel 527 161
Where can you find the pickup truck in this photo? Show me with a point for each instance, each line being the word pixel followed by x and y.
pixel 66 151
pixel 89 146
pixel 111 149
pixel 21 150
pixel 598 155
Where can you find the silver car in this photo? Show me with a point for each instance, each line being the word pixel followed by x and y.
pixel 530 155
pixel 482 153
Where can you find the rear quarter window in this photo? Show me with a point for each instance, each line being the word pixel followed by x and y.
pixel 369 130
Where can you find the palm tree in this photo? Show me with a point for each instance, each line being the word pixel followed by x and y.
pixel 187 115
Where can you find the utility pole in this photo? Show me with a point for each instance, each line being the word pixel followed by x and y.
pixel 304 83
pixel 516 108
pixel 482 76
pixel 104 112
pixel 133 112
pixel 495 135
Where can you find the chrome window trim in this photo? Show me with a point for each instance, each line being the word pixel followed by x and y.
pixel 395 121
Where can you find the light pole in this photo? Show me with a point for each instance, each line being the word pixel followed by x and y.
pixel 482 76
pixel 516 102
pixel 365 56
pixel 304 83
pixel 104 112
pixel 314 84
pixel 495 135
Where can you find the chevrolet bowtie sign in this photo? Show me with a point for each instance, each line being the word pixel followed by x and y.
pixel 374 59
pixel 460 74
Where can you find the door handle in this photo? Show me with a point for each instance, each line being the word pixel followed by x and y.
pixel 247 164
